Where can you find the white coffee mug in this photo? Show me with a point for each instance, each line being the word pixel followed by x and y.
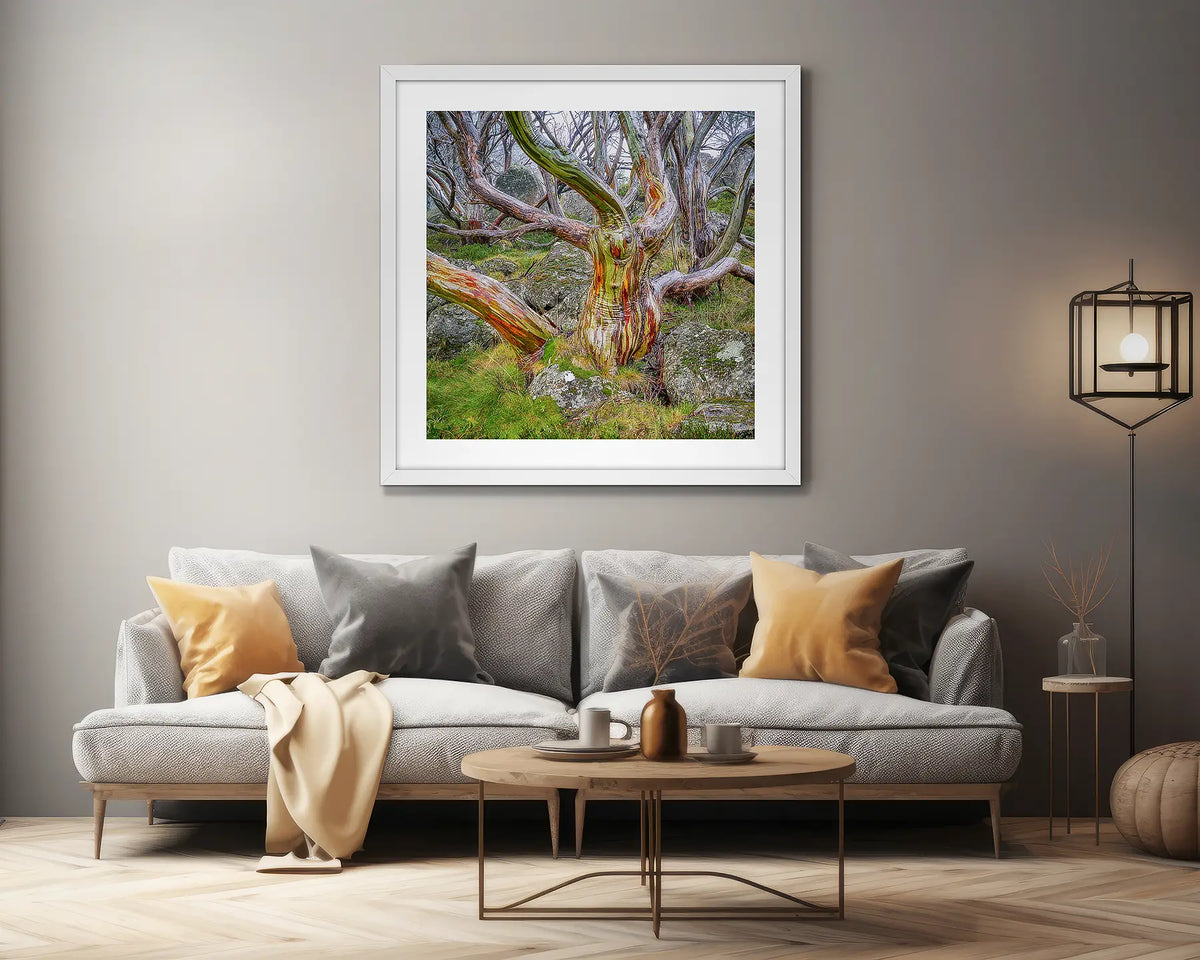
pixel 595 727
pixel 723 738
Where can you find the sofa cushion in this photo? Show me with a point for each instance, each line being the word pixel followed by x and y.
pixel 676 632
pixel 599 621
pixel 223 738
pixel 915 616
pixel 226 635
pixel 406 621
pixel 826 628
pixel 519 605
pixel 893 739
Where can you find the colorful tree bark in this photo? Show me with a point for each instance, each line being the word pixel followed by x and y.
pixel 491 301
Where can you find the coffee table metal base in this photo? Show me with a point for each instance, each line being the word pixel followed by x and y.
pixel 651 873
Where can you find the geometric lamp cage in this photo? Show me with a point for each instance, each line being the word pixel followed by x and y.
pixel 1131 351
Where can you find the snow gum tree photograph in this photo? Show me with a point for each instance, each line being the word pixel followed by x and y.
pixel 590 274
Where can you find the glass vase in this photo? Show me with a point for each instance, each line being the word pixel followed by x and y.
pixel 1082 652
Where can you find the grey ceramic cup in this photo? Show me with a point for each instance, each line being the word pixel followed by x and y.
pixel 723 738
pixel 595 727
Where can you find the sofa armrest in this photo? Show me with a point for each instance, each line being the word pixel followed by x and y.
pixel 148 668
pixel 967 668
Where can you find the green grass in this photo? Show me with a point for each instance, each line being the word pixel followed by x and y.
pixel 519 251
pixel 730 307
pixel 481 395
pixel 632 420
pixel 564 353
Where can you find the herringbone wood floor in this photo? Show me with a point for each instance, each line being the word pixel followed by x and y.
pixel 176 891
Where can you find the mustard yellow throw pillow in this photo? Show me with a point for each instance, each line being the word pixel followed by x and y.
pixel 814 627
pixel 226 634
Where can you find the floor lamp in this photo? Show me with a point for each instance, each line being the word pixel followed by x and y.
pixel 1131 361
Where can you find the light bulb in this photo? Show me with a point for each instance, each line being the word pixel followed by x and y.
pixel 1134 348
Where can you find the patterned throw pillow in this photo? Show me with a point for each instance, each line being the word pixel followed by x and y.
pixel 669 633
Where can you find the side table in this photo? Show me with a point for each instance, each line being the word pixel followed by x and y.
pixel 1070 684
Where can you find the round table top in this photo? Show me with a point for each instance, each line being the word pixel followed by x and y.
pixel 1085 683
pixel 773 767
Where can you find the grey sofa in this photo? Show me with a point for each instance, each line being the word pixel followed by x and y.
pixel 156 745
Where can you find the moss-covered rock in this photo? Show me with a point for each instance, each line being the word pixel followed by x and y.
pixel 701 364
pixel 451 329
pixel 571 393
pixel 557 284
pixel 500 267
pixel 522 183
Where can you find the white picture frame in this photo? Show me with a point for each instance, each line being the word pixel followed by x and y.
pixel 407 457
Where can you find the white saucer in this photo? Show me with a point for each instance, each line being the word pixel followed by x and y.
pixel 591 753
pixel 704 757
pixel 578 746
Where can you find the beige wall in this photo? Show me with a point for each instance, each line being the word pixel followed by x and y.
pixel 189 295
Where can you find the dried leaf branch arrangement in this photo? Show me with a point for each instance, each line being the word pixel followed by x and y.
pixel 1080 589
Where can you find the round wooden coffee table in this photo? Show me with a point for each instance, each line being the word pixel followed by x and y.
pixel 773 767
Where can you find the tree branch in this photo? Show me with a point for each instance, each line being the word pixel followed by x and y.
pixel 491 301
pixel 661 204
pixel 484 234
pixel 565 166
pixel 737 221
pixel 466 144
pixel 731 148
pixel 702 132
pixel 675 283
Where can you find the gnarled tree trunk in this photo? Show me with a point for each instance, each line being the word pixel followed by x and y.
pixel 621 314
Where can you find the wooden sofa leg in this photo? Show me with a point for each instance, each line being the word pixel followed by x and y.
pixel 994 806
pixel 552 804
pixel 149 813
pixel 580 810
pixel 98 805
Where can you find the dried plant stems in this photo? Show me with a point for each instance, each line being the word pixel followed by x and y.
pixel 1079 589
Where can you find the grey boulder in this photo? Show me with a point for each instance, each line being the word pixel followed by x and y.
pixel 521 182
pixel 557 285
pixel 451 329
pixel 571 393
pixel 702 364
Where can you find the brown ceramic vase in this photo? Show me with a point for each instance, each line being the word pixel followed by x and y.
pixel 664 727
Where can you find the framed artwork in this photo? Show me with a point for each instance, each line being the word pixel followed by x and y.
pixel 590 275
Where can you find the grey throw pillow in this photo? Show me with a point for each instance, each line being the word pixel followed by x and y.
pixel 669 633
pixel 920 606
pixel 406 621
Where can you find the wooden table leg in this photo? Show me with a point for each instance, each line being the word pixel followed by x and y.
pixel 1067 761
pixel 658 873
pixel 1050 818
pixel 841 849
pixel 1096 760
pixel 480 892
pixel 642 825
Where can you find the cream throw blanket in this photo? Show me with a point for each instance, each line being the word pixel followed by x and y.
pixel 328 741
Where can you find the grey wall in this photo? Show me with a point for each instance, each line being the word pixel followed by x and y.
pixel 189 294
